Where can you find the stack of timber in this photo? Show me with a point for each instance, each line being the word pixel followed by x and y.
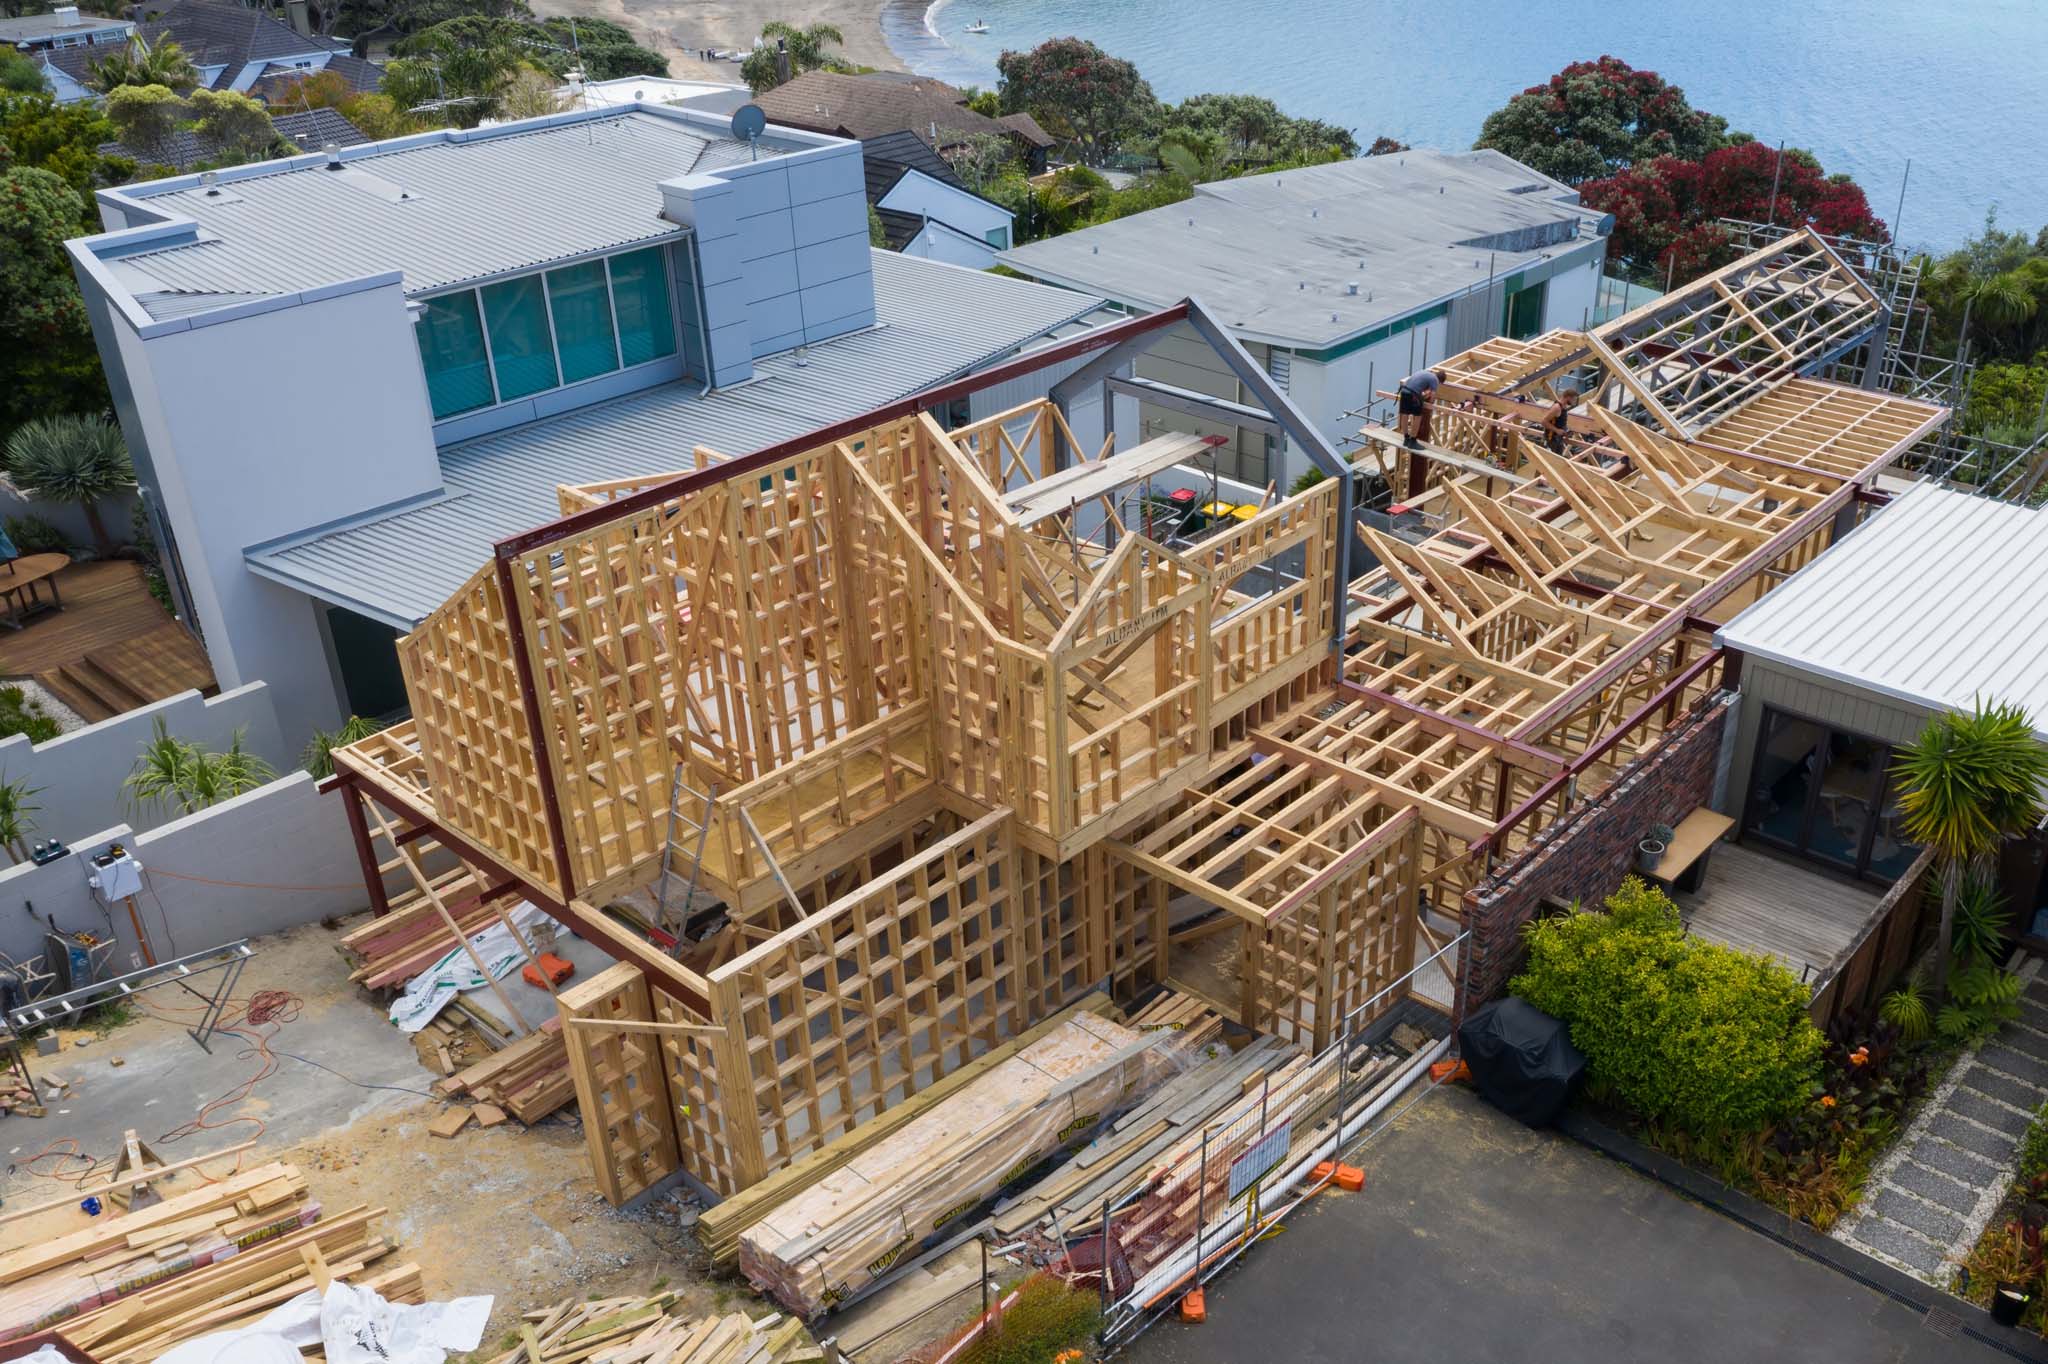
pixel 719 1228
pixel 127 1286
pixel 645 1331
pixel 528 1079
pixel 851 1227
pixel 391 949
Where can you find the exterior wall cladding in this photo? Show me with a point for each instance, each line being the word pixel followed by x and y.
pixel 1585 857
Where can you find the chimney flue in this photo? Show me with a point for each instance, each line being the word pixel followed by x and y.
pixel 782 61
pixel 299 13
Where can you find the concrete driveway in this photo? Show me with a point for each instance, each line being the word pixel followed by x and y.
pixel 1478 1239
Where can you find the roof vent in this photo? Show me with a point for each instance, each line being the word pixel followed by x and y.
pixel 1315 213
pixel 333 154
pixel 1353 291
pixel 803 355
pixel 207 181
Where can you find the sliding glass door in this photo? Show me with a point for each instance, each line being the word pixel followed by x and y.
pixel 1826 794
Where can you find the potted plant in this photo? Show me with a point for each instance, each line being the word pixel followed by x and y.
pixel 1650 851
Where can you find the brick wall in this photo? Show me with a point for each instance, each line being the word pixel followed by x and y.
pixel 1586 856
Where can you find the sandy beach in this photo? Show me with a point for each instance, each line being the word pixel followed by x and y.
pixel 677 27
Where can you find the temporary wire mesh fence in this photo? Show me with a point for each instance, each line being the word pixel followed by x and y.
pixel 1219 1190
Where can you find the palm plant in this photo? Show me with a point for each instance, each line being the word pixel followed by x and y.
pixel 66 458
pixel 1195 156
pixel 1968 783
pixel 318 759
pixel 806 52
pixel 144 63
pixel 173 774
pixel 15 824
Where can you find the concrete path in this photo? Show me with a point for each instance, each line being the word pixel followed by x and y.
pixel 1929 1199
pixel 1478 1239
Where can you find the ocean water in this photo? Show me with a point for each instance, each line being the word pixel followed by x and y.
pixel 1955 87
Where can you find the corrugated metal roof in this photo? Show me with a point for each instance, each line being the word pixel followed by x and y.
pixel 1314 256
pixel 935 321
pixel 470 209
pixel 1935 601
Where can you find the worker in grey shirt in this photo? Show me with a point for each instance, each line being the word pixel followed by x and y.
pixel 1417 396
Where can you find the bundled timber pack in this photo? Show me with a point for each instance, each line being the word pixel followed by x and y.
pixel 127 1286
pixel 646 1331
pixel 849 1228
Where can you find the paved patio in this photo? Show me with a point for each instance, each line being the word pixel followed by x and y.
pixel 1478 1239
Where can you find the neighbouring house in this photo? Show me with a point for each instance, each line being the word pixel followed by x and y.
pixel 233 47
pixel 310 130
pixel 423 338
pixel 710 96
pixel 63 27
pixel 925 209
pixel 1930 604
pixel 1341 278
pixel 879 102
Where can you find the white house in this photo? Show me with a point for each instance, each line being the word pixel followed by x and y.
pixel 924 208
pixel 61 28
pixel 344 378
pixel 1341 279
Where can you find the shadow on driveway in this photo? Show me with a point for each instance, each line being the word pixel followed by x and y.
pixel 1478 1239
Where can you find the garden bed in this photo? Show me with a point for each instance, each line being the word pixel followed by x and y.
pixel 2011 1249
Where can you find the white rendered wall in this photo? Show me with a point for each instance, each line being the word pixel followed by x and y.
pixel 1573 294
pixel 918 193
pixel 265 426
pixel 938 242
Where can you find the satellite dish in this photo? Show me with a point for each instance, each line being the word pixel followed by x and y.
pixel 748 121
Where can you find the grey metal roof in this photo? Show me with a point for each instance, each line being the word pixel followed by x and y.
pixel 1278 255
pixel 1935 601
pixel 934 322
pixel 471 208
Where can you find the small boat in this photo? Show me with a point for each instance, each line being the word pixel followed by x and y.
pixel 978 26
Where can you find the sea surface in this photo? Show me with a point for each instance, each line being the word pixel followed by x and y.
pixel 1955 87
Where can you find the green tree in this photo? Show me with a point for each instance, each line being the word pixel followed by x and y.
pixel 1971 781
pixel 1195 156
pixel 602 49
pixel 808 51
pixel 1594 119
pixel 1081 94
pixel 147 118
pixel 318 758
pixel 65 140
pixel 144 63
pixel 2006 396
pixel 980 158
pixel 47 360
pixel 15 822
pixel 459 69
pixel 172 774
pixel 19 74
pixel 233 127
pixel 72 459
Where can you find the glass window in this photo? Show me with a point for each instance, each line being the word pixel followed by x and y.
pixel 451 337
pixel 998 237
pixel 522 352
pixel 647 328
pixel 583 320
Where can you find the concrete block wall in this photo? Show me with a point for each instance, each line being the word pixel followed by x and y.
pixel 117 514
pixel 78 775
pixel 273 859
pixel 1585 857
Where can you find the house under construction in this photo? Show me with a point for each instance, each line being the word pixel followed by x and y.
pixel 958 725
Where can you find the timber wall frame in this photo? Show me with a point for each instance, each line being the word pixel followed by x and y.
pixel 958 728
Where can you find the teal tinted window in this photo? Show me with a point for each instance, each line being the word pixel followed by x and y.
pixel 583 320
pixel 522 353
pixel 451 337
pixel 647 329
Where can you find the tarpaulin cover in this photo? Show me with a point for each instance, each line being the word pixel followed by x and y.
pixel 1522 1059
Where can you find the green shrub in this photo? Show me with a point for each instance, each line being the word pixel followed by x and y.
pixel 1047 1319
pixel 1684 1032
pixel 2034 1148
pixel 36 535
pixel 20 714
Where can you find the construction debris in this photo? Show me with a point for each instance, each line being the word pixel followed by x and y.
pixel 128 1286
pixel 643 1331
pixel 529 1079
pixel 851 1227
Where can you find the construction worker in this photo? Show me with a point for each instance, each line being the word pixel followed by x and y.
pixel 1417 396
pixel 1555 420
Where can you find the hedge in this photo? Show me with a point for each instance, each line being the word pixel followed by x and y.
pixel 1679 1030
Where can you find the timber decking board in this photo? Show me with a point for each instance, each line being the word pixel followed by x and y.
pixel 111 626
pixel 1761 902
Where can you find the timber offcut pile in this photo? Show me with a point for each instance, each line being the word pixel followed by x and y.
pixel 646 1331
pixel 390 950
pixel 127 1286
pixel 529 1078
pixel 849 1228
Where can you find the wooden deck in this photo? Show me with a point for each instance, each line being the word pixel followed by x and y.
pixel 1761 902
pixel 111 648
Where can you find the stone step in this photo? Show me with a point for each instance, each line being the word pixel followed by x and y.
pixel 1903 1244
pixel 2003 1088
pixel 2008 1061
pixel 1935 1187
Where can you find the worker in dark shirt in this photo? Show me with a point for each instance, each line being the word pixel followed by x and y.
pixel 1555 421
pixel 1417 396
